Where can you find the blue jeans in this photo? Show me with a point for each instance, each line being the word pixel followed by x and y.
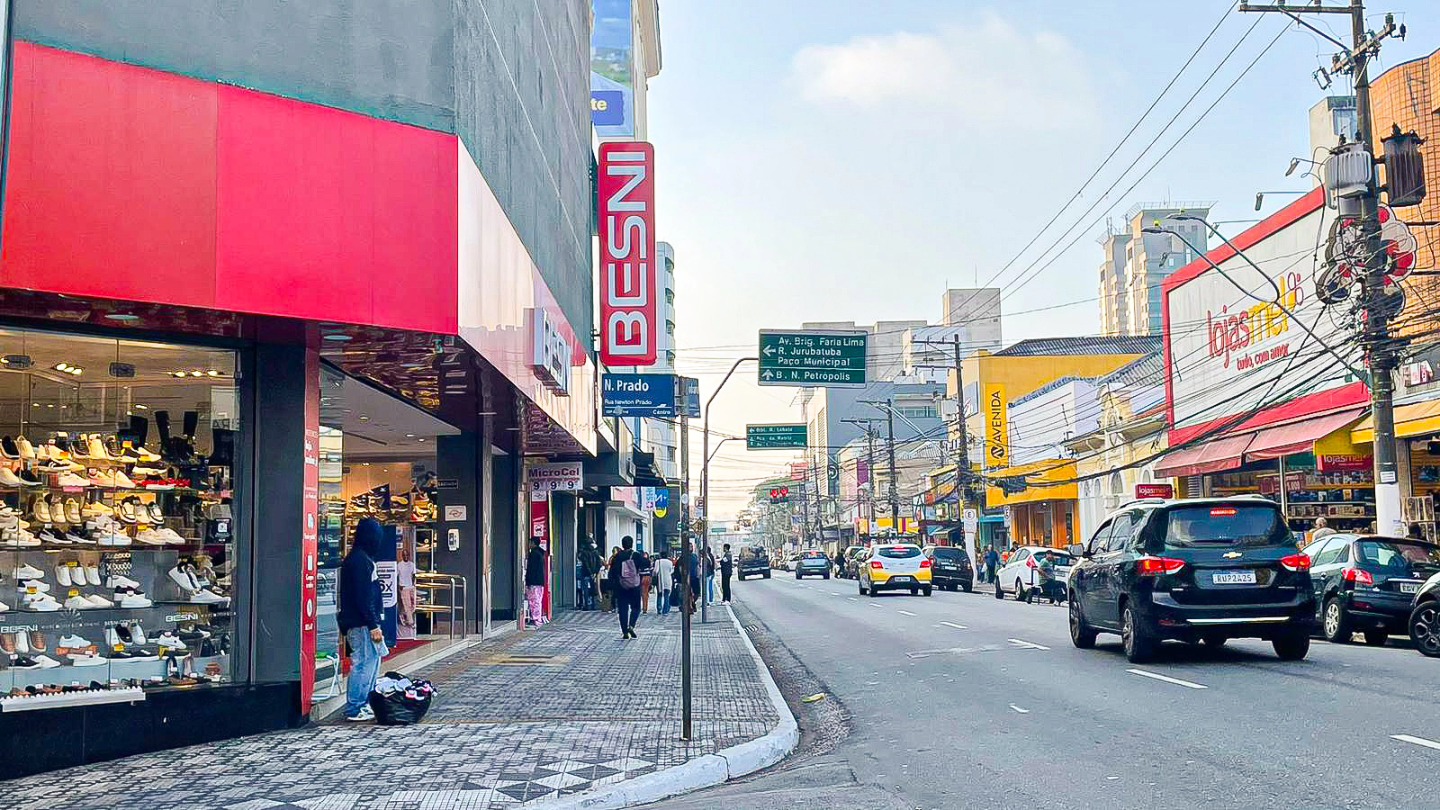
pixel 664 607
pixel 710 587
pixel 365 658
pixel 587 593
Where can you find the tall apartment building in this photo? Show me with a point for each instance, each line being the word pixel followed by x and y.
pixel 665 436
pixel 1137 262
pixel 978 310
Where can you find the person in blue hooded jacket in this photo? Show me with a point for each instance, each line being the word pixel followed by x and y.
pixel 359 617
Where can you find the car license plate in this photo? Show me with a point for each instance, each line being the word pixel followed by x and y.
pixel 900 579
pixel 1409 587
pixel 1233 577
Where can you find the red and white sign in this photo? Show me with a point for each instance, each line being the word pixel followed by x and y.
pixel 629 301
pixel 310 533
pixel 1154 491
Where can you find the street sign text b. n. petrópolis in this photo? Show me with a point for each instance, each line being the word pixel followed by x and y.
pixel 822 358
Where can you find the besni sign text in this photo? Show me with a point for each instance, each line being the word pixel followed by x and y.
pixel 629 306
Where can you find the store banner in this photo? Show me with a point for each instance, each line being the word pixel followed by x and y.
pixel 540 528
pixel 1154 491
pixel 563 476
pixel 629 301
pixel 387 571
pixel 997 426
pixel 612 69
pixel 310 533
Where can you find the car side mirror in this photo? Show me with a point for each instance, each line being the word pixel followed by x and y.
pixel 1077 550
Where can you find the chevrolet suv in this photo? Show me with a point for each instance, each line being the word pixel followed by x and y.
pixel 1203 570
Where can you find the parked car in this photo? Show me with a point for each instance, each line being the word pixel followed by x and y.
pixel 852 564
pixel 1022 571
pixel 844 569
pixel 952 570
pixel 1425 618
pixel 1368 584
pixel 1203 570
pixel 896 566
pixel 753 562
pixel 812 563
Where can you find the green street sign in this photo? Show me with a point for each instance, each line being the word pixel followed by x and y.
pixel 834 359
pixel 775 437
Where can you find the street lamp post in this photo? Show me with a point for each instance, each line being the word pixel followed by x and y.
pixel 705 485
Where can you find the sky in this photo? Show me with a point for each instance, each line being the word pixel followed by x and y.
pixel 843 160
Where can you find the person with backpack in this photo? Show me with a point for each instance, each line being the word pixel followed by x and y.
pixel 625 584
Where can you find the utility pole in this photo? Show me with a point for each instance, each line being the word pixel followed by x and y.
pixel 705 485
pixel 866 424
pixel 819 505
pixel 686 552
pixel 1381 350
pixel 894 490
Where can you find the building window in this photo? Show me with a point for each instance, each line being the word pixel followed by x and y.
pixel 669 327
pixel 670 358
pixel 917 411
pixel 669 296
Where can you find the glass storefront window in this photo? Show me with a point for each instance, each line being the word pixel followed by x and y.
pixel 116 535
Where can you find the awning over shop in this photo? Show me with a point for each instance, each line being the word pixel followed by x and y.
pixel 1411 421
pixel 1298 437
pixel 1216 455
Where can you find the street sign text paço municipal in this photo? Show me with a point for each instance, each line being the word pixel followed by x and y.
pixel 822 358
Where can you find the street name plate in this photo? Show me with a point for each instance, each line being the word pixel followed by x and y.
pixel 775 437
pixel 824 358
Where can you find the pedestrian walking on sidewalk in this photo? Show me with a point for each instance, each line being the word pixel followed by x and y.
pixel 592 564
pixel 647 578
pixel 727 567
pixel 709 576
pixel 664 582
pixel 992 561
pixel 607 587
pixel 625 584
pixel 359 617
pixel 692 582
pixel 536 563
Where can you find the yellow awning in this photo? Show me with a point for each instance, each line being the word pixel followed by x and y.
pixel 1415 419
pixel 1041 479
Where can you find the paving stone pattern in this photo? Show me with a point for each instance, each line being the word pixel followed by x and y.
pixel 500 734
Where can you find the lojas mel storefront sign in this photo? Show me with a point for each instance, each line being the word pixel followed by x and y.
pixel 629 300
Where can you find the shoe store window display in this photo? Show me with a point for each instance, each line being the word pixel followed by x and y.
pixel 113 578
pixel 360 616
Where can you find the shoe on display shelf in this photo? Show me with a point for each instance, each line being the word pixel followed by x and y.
pixel 122 481
pixel 40 508
pixel 72 511
pixel 7 643
pixel 35 586
pixel 183 574
pixel 22 642
pixel 28 478
pixel 92 574
pixel 95 448
pixel 27 450
pixel 78 602
pixel 8 478
pixel 45 661
pixel 62 574
pixel 53 538
pixel 96 509
pixel 9 448
pixel 44 603
pixel 171 641
pixel 73 642
pixel 125 512
pixel 208 597
pixel 120 582
pixel 21 538
pixel 28 572
pixel 70 480
pixel 79 539
pixel 133 599
pixel 98 601
pixel 82 660
pixel 24 662
pixel 38 641
pixel 150 537
pixel 137 633
pixel 4 607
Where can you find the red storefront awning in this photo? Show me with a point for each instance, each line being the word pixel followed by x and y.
pixel 1216 455
pixel 1298 437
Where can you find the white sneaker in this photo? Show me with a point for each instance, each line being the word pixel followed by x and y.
pixel 150 537
pixel 72 642
pixel 171 536
pixel 208 597
pixel 70 480
pixel 4 607
pixel 28 572
pixel 92 574
pixel 46 662
pixel 117 582
pixel 137 633
pixel 44 604
pixel 96 600
pixel 361 716
pixel 22 643
pixel 180 575
pixel 122 481
pixel 25 539
pixel 8 478
pixel 78 602
pixel 62 575
pixel 32 586
pixel 134 600
pixel 79 660
pixel 170 640
pixel 112 638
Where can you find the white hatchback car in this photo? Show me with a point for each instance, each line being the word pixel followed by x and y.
pixel 1020 573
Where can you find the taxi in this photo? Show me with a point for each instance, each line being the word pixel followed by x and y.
pixel 895 567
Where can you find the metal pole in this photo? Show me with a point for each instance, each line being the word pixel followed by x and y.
pixel 962 459
pixel 705 488
pixel 1388 515
pixel 894 491
pixel 684 576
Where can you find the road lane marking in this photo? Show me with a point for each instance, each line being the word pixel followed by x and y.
pixel 1018 709
pixel 852 599
pixel 872 604
pixel 952 624
pixel 1421 741
pixel 1029 645
pixel 907 613
pixel 1167 679
pixel 834 593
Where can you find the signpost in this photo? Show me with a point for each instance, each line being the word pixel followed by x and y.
pixel 688 397
pixel 638 395
pixel 775 437
pixel 833 359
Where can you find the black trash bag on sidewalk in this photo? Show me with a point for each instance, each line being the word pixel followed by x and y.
pixel 399 701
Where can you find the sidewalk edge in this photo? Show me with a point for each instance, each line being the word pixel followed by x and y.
pixel 706 771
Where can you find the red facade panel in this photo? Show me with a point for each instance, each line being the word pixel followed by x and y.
pixel 140 185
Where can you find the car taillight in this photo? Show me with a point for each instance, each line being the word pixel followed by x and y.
pixel 1155 566
pixel 1295 562
pixel 926 563
pixel 876 564
pixel 1358 577
pixel 1031 562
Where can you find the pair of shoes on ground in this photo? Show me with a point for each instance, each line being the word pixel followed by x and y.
pixel 361 716
pixel 629 634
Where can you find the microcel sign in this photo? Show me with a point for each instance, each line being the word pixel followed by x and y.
pixel 629 306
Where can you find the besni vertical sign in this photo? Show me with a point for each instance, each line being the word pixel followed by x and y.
pixel 629 306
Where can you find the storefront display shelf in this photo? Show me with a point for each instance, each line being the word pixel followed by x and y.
pixel 86 697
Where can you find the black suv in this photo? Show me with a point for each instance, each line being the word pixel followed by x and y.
pixel 952 569
pixel 1203 570
pixel 1366 584
pixel 753 562
pixel 1425 618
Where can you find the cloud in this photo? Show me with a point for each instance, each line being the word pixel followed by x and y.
pixel 983 75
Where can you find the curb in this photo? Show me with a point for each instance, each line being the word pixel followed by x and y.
pixel 701 772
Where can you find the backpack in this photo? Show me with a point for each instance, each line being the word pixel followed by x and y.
pixel 629 573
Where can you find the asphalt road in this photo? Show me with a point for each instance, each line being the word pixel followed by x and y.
pixel 959 700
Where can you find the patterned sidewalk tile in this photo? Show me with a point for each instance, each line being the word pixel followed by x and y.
pixel 537 715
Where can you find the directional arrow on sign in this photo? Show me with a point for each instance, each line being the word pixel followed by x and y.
pixel 769 350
